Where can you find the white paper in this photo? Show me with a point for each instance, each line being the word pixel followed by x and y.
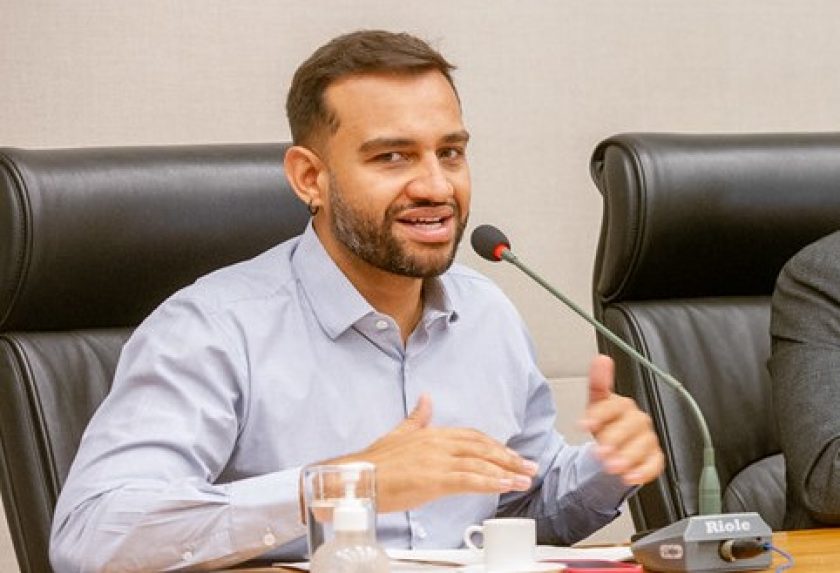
pixel 457 556
pixel 610 553
pixel 467 560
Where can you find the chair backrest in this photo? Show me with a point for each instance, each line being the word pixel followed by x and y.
pixel 695 231
pixel 91 240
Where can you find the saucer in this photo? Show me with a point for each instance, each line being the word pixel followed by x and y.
pixel 535 567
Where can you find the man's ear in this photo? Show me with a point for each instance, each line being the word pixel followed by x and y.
pixel 304 171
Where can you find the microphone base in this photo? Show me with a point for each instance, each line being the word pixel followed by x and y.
pixel 693 544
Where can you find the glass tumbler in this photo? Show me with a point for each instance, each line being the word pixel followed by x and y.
pixel 324 485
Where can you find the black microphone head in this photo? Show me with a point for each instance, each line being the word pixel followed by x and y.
pixel 489 242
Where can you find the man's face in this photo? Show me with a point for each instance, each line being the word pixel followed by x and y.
pixel 399 187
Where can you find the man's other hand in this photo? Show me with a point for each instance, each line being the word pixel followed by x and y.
pixel 626 442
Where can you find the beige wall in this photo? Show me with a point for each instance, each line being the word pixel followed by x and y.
pixel 542 82
pixel 8 563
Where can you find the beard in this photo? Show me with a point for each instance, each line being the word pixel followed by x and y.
pixel 376 244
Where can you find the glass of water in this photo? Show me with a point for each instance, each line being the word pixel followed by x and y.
pixel 323 486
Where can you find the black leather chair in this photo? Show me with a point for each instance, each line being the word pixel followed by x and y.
pixel 695 230
pixel 91 240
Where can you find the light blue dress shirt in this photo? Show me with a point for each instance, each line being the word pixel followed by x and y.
pixel 237 381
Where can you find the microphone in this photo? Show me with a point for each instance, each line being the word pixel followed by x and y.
pixel 491 244
pixel 685 545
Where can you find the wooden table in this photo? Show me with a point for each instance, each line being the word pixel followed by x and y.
pixel 813 550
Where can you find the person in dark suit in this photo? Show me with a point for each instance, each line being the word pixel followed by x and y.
pixel 805 368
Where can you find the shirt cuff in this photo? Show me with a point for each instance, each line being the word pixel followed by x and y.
pixel 602 491
pixel 266 510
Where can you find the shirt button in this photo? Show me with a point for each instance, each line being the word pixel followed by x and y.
pixel 381 324
pixel 420 531
pixel 187 555
pixel 269 539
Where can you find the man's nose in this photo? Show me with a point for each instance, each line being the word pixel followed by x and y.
pixel 431 182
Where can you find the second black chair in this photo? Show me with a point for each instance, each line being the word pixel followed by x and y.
pixel 695 231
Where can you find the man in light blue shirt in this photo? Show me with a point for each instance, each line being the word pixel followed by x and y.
pixel 358 340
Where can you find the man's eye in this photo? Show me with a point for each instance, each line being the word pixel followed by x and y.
pixel 391 157
pixel 451 153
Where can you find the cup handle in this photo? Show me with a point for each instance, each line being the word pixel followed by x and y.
pixel 468 535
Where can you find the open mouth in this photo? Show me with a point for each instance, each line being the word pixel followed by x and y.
pixel 428 222
pixel 428 227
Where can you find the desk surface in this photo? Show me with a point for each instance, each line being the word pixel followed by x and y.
pixel 813 550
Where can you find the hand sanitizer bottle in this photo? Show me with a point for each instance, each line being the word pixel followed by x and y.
pixel 354 548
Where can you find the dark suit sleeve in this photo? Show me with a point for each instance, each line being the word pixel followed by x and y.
pixel 805 368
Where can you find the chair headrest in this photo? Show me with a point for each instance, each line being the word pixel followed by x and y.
pixel 709 215
pixel 97 237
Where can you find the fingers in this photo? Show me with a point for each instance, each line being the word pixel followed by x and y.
pixel 645 465
pixel 471 482
pixel 604 412
pixel 474 475
pixel 478 464
pixel 627 451
pixel 458 442
pixel 470 444
pixel 601 374
pixel 416 462
pixel 613 416
pixel 457 448
pixel 414 467
pixel 626 443
pixel 477 469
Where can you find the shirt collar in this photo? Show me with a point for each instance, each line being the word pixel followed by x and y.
pixel 436 302
pixel 336 303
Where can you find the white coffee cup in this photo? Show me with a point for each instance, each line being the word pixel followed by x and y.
pixel 509 544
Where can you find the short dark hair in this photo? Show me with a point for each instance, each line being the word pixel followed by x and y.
pixel 361 52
